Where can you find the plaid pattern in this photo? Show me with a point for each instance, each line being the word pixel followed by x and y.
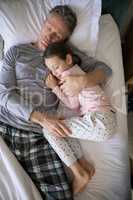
pixel 40 161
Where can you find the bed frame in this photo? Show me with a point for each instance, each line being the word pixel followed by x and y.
pixel 122 12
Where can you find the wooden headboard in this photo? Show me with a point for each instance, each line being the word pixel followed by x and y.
pixel 121 10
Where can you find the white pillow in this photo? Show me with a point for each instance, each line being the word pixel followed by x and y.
pixel 88 13
pixel 21 21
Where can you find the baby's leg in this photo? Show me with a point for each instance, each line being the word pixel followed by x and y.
pixel 93 126
pixel 61 147
pixel 65 151
pixel 75 146
pixel 87 166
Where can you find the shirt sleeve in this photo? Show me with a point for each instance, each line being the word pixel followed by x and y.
pixel 89 64
pixel 70 102
pixel 10 98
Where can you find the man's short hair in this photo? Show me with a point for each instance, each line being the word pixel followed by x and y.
pixel 67 14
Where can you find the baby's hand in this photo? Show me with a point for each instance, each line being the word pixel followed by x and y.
pixel 51 81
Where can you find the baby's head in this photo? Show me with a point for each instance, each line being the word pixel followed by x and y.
pixel 58 57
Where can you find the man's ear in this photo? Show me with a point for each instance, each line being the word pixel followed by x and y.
pixel 69 59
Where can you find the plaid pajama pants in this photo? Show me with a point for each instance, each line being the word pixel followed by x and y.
pixel 40 161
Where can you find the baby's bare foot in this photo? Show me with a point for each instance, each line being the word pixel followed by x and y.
pixel 80 181
pixel 82 171
pixel 87 166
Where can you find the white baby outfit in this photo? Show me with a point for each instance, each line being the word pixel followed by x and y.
pixel 93 118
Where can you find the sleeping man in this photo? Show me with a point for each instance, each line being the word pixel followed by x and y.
pixel 26 106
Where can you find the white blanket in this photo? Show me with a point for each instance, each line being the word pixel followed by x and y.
pixel 15 184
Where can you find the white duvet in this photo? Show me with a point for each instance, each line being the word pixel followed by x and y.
pixel 111 181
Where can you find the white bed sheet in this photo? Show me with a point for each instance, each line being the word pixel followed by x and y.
pixel 112 178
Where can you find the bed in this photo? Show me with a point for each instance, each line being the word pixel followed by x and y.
pixel 112 178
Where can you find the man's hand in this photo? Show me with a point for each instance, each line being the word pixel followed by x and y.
pixel 51 81
pixel 72 85
pixel 55 126
pixel 52 124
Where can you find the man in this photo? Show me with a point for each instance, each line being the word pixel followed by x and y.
pixel 26 105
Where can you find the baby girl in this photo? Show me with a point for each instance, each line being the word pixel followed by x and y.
pixel 95 118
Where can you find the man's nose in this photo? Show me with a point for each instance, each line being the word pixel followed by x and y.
pixel 51 36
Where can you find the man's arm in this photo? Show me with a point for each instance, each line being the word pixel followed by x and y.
pixel 9 93
pixel 96 77
pixel 52 124
pixel 100 71
pixel 97 72
pixel 17 105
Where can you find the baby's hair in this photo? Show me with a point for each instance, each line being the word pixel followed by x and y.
pixel 60 49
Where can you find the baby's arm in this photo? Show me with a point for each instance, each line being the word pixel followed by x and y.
pixel 70 102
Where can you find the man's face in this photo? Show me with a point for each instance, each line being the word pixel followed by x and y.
pixel 53 30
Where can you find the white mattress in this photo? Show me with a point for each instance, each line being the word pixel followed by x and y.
pixel 111 181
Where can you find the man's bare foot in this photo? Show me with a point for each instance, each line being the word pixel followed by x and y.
pixel 87 166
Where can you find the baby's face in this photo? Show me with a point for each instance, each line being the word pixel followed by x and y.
pixel 56 65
